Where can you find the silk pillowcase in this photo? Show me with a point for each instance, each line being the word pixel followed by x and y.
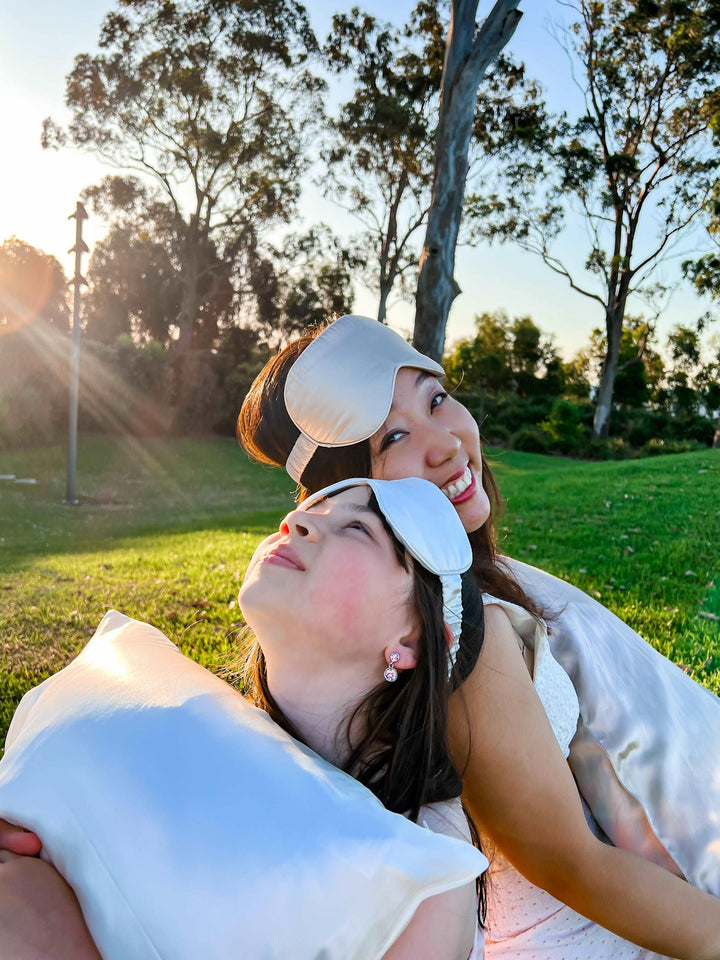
pixel 190 825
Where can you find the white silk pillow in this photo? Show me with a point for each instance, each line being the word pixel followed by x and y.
pixel 190 825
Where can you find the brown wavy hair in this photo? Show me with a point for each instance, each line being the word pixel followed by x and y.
pixel 267 433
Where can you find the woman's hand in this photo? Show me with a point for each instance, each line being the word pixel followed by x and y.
pixel 18 840
pixel 40 918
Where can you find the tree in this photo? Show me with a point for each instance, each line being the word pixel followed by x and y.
pixel 135 273
pixel 379 151
pixel 640 369
pixel 693 379
pixel 506 355
pixel 32 285
pixel 211 101
pixel 705 274
pixel 482 361
pixel 639 154
pixel 314 281
pixel 468 53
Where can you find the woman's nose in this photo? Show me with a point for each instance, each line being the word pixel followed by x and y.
pixel 301 524
pixel 442 445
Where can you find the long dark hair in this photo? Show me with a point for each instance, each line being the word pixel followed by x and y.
pixel 267 433
pixel 402 754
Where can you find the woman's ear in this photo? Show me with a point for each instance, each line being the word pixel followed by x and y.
pixel 406 650
pixel 449 636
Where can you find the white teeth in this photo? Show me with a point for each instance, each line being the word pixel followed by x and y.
pixel 453 490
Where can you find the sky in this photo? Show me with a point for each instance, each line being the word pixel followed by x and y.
pixel 38 189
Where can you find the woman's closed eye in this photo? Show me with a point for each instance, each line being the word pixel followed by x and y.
pixel 359 525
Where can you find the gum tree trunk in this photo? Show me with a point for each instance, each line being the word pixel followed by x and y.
pixel 469 52
pixel 603 403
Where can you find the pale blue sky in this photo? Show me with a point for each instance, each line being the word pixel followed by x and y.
pixel 38 41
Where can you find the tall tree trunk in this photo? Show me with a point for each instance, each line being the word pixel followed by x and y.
pixel 716 438
pixel 382 305
pixel 468 53
pixel 388 261
pixel 603 405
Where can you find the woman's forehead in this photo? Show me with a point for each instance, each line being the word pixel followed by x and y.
pixel 410 381
pixel 344 499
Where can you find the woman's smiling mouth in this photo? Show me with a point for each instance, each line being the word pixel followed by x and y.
pixel 460 486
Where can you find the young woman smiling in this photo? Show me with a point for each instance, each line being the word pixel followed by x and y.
pixel 354 399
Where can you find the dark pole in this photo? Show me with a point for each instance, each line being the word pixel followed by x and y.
pixel 78 280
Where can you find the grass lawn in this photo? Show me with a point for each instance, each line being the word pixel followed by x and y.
pixel 166 528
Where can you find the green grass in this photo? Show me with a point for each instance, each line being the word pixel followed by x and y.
pixel 166 528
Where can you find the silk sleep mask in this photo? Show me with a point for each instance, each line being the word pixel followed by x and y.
pixel 428 526
pixel 339 391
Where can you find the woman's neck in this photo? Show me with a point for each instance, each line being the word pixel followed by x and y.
pixel 318 706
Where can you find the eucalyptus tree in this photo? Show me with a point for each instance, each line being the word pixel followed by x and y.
pixel 469 50
pixel 637 163
pixel 705 274
pixel 378 150
pixel 212 101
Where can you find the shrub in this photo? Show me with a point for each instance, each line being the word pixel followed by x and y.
pixel 563 428
pixel 656 447
pixel 513 412
pixel 34 363
pixel 619 449
pixel 497 434
pixel 529 440
pixel 641 425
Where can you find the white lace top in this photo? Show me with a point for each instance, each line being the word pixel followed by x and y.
pixel 553 685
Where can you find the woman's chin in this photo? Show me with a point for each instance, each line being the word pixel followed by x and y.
pixel 475 512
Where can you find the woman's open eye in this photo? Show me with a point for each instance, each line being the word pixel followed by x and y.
pixel 390 438
pixel 437 399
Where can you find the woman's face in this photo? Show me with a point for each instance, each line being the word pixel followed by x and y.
pixel 328 589
pixel 429 434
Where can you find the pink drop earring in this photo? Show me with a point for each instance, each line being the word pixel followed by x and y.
pixel 391 673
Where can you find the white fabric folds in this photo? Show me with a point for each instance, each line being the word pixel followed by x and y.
pixel 646 756
pixel 340 389
pixel 191 826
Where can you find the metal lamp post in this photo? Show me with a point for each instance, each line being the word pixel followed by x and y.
pixel 78 280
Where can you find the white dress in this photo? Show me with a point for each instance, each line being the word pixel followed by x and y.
pixel 524 921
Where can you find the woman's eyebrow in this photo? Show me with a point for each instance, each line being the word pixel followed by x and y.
pixel 350 507
pixel 362 508
pixel 419 380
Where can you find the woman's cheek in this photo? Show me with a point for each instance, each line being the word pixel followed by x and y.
pixel 394 465
pixel 341 597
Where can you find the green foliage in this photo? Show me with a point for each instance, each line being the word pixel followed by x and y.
pixel 312 283
pixel 638 163
pixel 506 356
pixel 32 286
pixel 530 440
pixel 656 447
pixel 34 363
pixel 379 149
pixel 640 367
pixel 564 428
pixel 212 103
